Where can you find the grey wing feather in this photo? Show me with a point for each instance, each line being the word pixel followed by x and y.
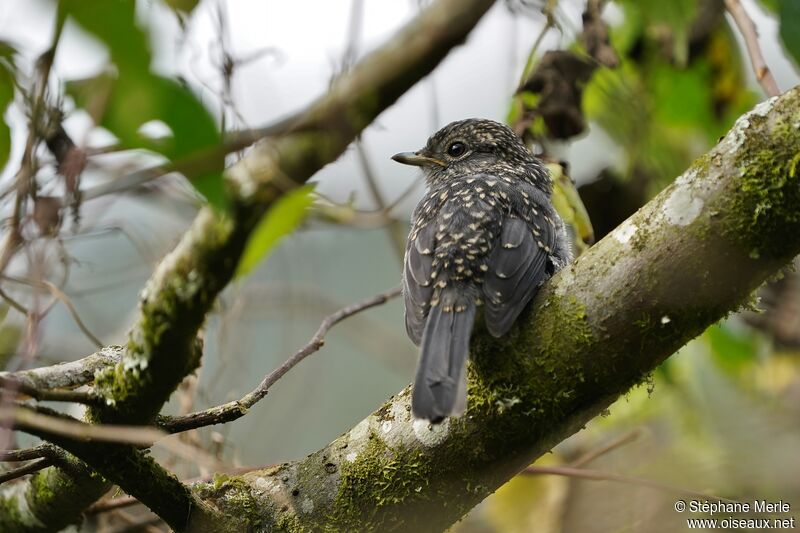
pixel 417 282
pixel 517 267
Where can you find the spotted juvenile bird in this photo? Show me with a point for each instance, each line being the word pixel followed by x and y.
pixel 484 235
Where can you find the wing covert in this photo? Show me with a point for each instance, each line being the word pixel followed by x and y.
pixel 417 281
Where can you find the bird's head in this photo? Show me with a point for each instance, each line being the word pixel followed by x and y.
pixel 475 146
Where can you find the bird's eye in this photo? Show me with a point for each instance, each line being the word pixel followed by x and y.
pixel 456 149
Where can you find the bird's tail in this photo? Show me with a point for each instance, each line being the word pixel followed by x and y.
pixel 440 388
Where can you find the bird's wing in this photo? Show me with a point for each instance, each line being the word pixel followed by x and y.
pixel 417 281
pixel 518 265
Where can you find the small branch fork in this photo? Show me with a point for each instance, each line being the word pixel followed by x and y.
pixel 230 411
pixel 81 372
pixel 39 457
pixel 750 34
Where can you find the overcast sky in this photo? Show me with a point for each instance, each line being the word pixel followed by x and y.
pixel 309 38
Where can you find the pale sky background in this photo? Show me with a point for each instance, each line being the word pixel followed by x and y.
pixel 259 323
pixel 310 37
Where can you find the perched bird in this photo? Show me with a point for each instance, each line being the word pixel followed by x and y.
pixel 485 234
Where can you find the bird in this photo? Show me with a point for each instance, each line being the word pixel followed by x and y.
pixel 484 237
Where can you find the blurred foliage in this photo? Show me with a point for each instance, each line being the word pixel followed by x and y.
pixel 124 98
pixel 281 219
pixel 10 336
pixel 789 16
pixel 723 425
pixel 7 81
pixel 663 114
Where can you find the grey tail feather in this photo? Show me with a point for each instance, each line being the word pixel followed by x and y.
pixel 440 387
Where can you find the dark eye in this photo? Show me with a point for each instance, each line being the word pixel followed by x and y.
pixel 456 149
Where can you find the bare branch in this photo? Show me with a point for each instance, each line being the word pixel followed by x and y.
pixel 596 475
pixel 25 454
pixel 230 411
pixel 622 440
pixel 394 228
pixel 64 299
pixel 13 303
pixel 750 34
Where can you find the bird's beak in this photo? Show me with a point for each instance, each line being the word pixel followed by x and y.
pixel 414 158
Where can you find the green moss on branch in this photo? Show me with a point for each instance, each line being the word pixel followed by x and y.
pixel 681 263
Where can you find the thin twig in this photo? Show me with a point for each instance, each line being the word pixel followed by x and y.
pixel 137 524
pixel 30 468
pixel 622 440
pixel 26 172
pixel 64 299
pixel 550 22
pixel 111 504
pixel 233 410
pixel 393 227
pixel 750 34
pixel 358 218
pixel 596 475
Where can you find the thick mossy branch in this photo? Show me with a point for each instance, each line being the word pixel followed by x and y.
pixel 689 257
pixel 162 347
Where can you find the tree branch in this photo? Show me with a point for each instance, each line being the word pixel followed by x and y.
pixel 162 347
pixel 68 375
pixel 30 468
pixel 750 34
pixel 26 454
pixel 686 259
pixel 235 409
pixel 47 395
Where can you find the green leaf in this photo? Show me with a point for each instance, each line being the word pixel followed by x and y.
pixel 789 14
pixel 569 205
pixel 682 96
pixel 7 73
pixel 770 5
pixel 114 23
pixel 677 15
pixel 287 213
pixel 124 100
